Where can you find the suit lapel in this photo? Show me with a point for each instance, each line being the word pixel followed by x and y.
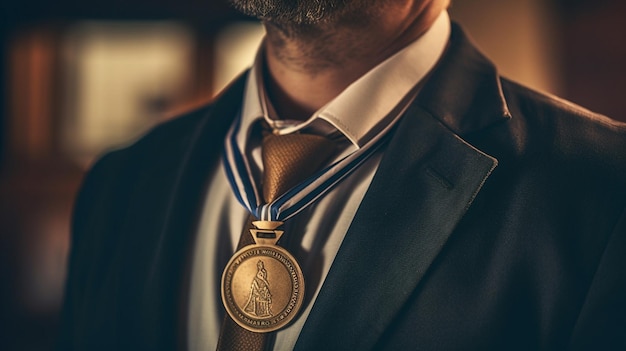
pixel 404 225
pixel 425 183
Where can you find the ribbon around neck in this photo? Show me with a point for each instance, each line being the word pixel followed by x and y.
pixel 302 195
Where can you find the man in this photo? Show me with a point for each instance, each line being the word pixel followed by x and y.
pixel 468 213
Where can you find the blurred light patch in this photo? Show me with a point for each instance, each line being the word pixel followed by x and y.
pixel 235 48
pixel 520 36
pixel 119 79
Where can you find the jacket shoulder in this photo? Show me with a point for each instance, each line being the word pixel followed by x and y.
pixel 113 175
pixel 566 132
pixel 180 127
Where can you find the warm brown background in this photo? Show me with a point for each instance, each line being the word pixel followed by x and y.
pixel 573 48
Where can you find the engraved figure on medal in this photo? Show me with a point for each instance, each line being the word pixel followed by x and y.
pixel 260 300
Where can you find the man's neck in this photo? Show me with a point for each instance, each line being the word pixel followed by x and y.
pixel 309 66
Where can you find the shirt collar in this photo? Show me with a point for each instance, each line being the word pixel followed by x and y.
pixel 359 110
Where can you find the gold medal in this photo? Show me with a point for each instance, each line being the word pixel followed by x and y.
pixel 263 285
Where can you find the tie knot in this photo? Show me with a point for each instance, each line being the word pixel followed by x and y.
pixel 290 159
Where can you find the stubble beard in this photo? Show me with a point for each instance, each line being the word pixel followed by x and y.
pixel 301 13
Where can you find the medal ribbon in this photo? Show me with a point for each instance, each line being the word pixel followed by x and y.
pixel 299 197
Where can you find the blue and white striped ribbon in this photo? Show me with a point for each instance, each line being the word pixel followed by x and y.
pixel 299 197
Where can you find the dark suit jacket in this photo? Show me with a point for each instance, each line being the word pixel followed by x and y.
pixel 495 221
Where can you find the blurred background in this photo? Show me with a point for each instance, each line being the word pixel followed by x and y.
pixel 78 78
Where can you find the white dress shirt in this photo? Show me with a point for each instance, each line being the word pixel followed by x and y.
pixel 359 113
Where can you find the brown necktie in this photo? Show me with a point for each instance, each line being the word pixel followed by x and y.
pixel 287 160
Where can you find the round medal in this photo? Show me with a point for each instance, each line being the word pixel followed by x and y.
pixel 262 288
